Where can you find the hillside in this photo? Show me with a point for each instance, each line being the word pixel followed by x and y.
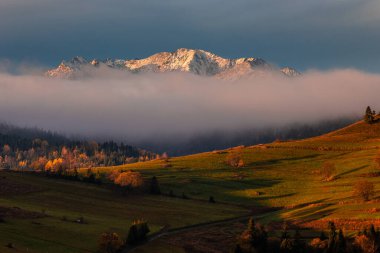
pixel 281 175
pixel 359 135
pixel 37 149
pixel 282 178
pixel 39 214
pixel 195 61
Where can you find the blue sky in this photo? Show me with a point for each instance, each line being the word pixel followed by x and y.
pixel 306 34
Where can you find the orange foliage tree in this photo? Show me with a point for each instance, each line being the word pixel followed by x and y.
pixel 235 160
pixel 364 190
pixel 129 179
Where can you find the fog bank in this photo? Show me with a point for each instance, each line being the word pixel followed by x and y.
pixel 130 107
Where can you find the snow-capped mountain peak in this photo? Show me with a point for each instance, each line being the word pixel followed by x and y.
pixel 194 61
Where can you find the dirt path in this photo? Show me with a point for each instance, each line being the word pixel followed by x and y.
pixel 166 231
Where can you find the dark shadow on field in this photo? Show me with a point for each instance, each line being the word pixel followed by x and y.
pixel 258 183
pixel 277 197
pixel 309 211
pixel 313 213
pixel 276 161
pixel 351 171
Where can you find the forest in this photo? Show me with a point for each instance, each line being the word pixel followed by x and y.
pixel 31 148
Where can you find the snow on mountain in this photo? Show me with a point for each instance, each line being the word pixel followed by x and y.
pixel 198 62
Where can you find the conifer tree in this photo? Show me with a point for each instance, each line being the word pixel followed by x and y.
pixel 369 116
pixel 154 186
pixel 132 237
pixel 340 243
pixel 332 237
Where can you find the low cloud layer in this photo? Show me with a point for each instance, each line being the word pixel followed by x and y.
pixel 137 107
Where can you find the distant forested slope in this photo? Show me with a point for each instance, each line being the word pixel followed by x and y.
pixel 24 148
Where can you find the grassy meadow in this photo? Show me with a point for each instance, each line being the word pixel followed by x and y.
pixel 282 175
pixel 102 209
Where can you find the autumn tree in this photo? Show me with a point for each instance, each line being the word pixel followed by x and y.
pixel 165 157
pixel 368 241
pixel 113 175
pixel 235 160
pixel 364 189
pixel 129 179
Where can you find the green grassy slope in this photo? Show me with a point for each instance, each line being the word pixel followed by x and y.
pixel 280 175
pixel 102 209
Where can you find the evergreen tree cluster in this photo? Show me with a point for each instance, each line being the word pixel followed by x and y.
pixel 369 116
pixel 137 232
pixel 112 243
pixel 255 240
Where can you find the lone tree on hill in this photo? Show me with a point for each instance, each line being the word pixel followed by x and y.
pixel 235 160
pixel 369 116
pixel 364 189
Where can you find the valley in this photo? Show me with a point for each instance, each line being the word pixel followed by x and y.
pixel 278 182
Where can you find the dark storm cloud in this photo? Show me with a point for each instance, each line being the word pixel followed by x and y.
pixel 301 33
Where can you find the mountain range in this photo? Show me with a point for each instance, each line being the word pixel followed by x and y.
pixel 198 62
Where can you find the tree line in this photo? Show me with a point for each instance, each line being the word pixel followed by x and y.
pixel 38 150
pixel 255 239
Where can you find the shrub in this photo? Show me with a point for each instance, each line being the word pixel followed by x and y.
pixel 109 243
pixel 235 160
pixel 364 189
pixel 138 232
pixel 318 245
pixel 129 179
pixel 287 246
pixel 364 244
pixel 211 199
pixel 113 175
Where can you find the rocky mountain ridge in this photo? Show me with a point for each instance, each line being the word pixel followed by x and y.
pixel 198 62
